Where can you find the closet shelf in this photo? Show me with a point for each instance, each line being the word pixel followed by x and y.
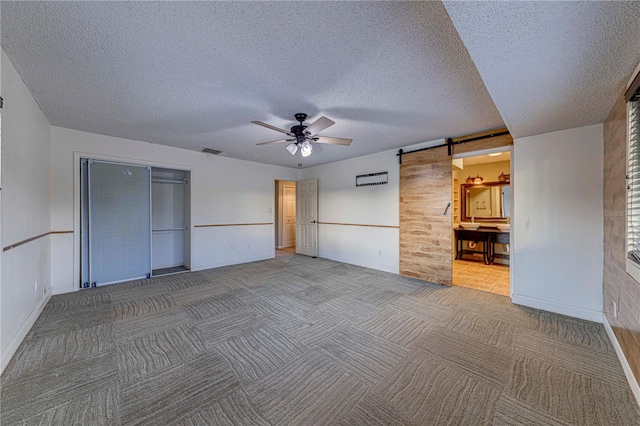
pixel 174 181
pixel 170 229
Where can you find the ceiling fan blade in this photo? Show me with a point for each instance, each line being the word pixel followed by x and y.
pixel 278 141
pixel 319 125
pixel 333 141
pixel 269 126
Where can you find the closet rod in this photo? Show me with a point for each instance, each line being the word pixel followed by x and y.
pixel 170 229
pixel 177 181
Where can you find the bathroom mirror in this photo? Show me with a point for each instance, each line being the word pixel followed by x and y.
pixel 485 202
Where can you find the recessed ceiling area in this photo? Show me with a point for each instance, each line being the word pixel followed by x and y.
pixel 551 65
pixel 390 74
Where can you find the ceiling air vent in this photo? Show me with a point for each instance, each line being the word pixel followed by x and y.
pixel 211 151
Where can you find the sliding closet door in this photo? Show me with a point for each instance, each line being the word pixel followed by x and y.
pixel 119 222
pixel 85 276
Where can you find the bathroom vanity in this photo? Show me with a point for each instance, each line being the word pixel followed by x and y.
pixel 487 236
pixel 484 220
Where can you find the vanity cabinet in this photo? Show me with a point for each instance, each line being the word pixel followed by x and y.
pixel 487 236
pixel 499 238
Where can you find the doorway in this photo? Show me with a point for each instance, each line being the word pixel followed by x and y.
pixel 134 222
pixel 481 197
pixel 285 214
pixel 430 210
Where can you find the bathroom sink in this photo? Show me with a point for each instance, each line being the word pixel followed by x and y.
pixel 470 226
pixel 504 226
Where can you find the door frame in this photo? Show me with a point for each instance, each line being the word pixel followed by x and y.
pixel 512 218
pixel 496 140
pixel 274 212
pixel 286 194
pixel 77 155
pixel 278 207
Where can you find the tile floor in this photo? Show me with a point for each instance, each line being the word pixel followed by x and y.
pixel 475 274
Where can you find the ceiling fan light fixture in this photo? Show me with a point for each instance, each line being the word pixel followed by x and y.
pixel 292 148
pixel 305 149
pixel 302 135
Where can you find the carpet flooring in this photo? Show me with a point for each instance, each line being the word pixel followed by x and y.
pixel 302 341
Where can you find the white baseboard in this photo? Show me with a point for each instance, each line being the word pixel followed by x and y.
pixel 364 262
pixel 635 388
pixel 17 338
pixel 61 289
pixel 558 308
pixel 229 263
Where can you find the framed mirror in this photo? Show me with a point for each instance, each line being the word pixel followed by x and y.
pixel 485 202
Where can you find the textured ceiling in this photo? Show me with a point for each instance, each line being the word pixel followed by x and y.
pixel 551 65
pixel 194 74
pixel 390 74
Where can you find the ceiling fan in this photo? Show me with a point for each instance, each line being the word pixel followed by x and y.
pixel 301 136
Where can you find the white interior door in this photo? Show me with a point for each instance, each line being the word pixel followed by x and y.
pixel 307 217
pixel 289 227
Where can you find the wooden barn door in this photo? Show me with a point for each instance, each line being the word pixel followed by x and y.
pixel 425 229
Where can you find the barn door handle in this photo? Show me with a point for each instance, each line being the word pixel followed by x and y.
pixel 446 209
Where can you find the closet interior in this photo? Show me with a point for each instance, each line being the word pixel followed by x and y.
pixel 170 237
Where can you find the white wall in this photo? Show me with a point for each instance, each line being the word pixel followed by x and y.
pixel 340 201
pixel 25 210
pixel 558 219
pixel 223 191
pixel 556 253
